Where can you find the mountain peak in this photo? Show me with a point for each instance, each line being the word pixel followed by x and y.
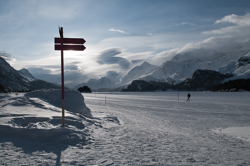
pixel 139 71
pixel 25 73
pixel 145 63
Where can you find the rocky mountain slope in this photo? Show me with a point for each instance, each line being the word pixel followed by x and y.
pixel 200 80
pixel 12 80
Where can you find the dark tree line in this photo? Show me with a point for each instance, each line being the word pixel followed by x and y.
pixel 84 89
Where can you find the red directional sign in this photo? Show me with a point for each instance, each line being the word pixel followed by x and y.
pixel 70 47
pixel 70 40
pixel 67 44
pixel 73 44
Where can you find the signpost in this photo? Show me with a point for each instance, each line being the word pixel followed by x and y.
pixel 67 44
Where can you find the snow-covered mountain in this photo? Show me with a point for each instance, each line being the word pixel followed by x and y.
pixel 137 72
pixel 200 80
pixel 231 60
pixel 105 83
pixel 25 73
pixel 97 84
pixel 12 80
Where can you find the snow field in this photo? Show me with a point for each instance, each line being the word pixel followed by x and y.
pixel 126 129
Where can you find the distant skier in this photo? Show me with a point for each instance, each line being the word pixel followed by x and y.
pixel 188 97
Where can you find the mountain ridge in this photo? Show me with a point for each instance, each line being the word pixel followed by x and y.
pixel 183 65
pixel 227 59
pixel 12 80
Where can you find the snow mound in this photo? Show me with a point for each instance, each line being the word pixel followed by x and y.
pixel 73 101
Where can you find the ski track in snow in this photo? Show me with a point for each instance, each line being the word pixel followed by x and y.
pixel 133 129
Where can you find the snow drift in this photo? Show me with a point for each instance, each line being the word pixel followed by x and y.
pixel 74 101
pixel 31 123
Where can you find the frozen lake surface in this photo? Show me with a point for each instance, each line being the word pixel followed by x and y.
pixel 157 128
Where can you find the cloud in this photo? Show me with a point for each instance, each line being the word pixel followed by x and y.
pixel 113 76
pixel 239 20
pixel 163 56
pixel 117 30
pixel 49 69
pixel 5 56
pixel 241 25
pixel 109 56
pixel 203 49
pixel 57 12
pixel 45 74
pixel 184 23
pixel 187 23
pixel 71 67
pixel 209 43
pixel 146 43
pixel 71 77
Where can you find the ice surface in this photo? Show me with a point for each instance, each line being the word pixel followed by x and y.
pixel 158 128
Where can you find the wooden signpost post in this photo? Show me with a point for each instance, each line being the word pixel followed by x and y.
pixel 67 44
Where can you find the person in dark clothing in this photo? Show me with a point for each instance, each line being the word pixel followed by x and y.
pixel 188 97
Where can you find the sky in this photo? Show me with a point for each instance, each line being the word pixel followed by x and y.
pixel 119 34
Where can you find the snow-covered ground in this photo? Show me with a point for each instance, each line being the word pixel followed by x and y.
pixel 158 128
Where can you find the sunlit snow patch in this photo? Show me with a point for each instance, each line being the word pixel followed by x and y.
pixel 242 133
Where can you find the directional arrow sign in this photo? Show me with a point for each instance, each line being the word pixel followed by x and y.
pixel 70 47
pixel 70 40
pixel 73 44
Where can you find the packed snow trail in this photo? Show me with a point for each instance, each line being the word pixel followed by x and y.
pixel 156 129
